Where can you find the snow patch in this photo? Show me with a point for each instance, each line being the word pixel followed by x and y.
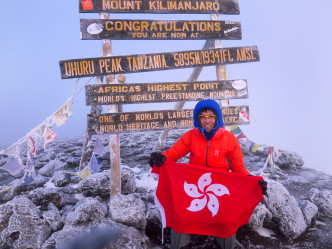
pixel 50 184
pixel 262 231
pixel 145 181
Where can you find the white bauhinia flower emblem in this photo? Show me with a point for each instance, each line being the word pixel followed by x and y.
pixel 204 196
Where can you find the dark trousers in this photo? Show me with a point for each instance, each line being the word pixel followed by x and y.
pixel 179 240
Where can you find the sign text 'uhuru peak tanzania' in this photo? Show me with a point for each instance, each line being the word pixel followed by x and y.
pixel 100 66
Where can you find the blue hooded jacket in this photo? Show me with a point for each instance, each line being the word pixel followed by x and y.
pixel 212 105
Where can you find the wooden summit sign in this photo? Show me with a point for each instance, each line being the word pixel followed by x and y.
pixel 125 29
pixel 159 120
pixel 100 66
pixel 107 94
pixel 160 6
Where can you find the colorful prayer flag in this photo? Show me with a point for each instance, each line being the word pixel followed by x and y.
pixel 31 146
pixel 49 136
pixel 84 173
pixel 99 147
pixel 203 200
pixel 12 166
pixel 94 164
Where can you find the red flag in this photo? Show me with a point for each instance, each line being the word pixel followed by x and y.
pixel 203 200
pixel 32 146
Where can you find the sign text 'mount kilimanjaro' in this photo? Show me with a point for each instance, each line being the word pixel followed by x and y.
pixel 100 66
pixel 107 94
pixel 159 120
pixel 160 6
pixel 124 29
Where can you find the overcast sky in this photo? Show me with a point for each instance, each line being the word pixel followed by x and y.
pixel 289 89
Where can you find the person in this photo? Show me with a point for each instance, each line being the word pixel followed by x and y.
pixel 210 145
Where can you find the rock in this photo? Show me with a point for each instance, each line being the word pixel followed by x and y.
pixel 285 210
pixel 96 184
pixel 51 167
pixel 258 216
pixel 153 225
pixel 19 187
pixel 289 160
pixel 61 178
pixel 43 196
pixel 309 211
pixel 323 200
pixel 25 228
pixel 129 210
pixel 128 185
pixel 87 211
pixel 53 217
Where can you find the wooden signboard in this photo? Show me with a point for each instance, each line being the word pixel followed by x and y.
pixel 159 120
pixel 160 6
pixel 124 29
pixel 100 66
pixel 107 94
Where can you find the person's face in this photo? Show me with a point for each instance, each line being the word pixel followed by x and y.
pixel 208 119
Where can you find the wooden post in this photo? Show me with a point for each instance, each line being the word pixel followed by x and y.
pixel 220 69
pixel 114 139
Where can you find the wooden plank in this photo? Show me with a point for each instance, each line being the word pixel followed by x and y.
pixel 87 67
pixel 125 29
pixel 159 120
pixel 165 92
pixel 160 6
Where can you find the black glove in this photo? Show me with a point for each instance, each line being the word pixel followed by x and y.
pixel 264 186
pixel 157 158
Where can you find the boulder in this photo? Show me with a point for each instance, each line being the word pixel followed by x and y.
pixel 285 210
pixel 258 216
pixel 128 185
pixel 61 178
pixel 51 167
pixel 53 217
pixel 25 228
pixel 289 159
pixel 87 211
pixel 96 184
pixel 129 210
pixel 309 211
pixel 323 200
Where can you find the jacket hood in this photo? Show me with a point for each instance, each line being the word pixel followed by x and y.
pixel 211 104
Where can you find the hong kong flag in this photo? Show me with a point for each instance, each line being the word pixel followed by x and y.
pixel 203 200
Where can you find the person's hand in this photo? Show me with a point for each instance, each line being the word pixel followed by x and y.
pixel 264 186
pixel 157 158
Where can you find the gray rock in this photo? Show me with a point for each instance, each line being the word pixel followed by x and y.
pixel 51 167
pixel 87 211
pixel 61 178
pixel 153 227
pixel 96 184
pixel 19 187
pixel 323 200
pixel 285 210
pixel 258 216
pixel 25 228
pixel 129 210
pixel 53 217
pixel 309 211
pixel 128 184
pixel 289 159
